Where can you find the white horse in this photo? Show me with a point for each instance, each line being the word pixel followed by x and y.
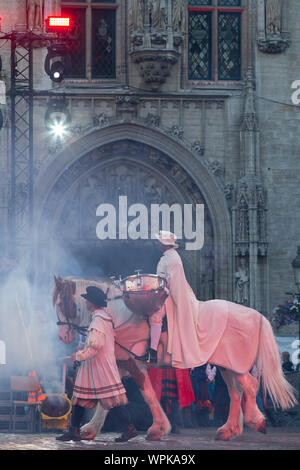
pixel 132 332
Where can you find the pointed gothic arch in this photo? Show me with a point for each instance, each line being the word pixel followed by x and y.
pixel 147 151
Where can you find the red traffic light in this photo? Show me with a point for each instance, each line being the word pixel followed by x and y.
pixel 57 24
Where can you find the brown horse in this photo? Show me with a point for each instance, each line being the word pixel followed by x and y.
pixel 132 332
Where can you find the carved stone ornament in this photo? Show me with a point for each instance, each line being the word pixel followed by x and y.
pixel 152 120
pixel 216 168
pixel 101 120
pixel 198 148
pixel 274 39
pixel 126 106
pixel 176 131
pixel 274 44
pixel 155 66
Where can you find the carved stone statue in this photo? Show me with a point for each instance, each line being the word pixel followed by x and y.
pixel 158 10
pixel 56 7
pixel 137 14
pixel 273 16
pixel 178 15
pixel 242 284
pixel 35 13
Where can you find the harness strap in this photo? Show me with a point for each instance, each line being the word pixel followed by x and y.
pixel 138 358
pixel 82 329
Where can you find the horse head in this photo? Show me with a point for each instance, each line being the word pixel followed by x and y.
pixel 66 310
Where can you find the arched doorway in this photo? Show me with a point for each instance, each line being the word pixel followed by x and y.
pixel 133 166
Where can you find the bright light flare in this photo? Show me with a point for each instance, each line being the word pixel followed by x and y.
pixel 58 129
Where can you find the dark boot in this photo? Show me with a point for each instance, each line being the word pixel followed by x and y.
pixel 271 416
pixel 187 417
pixel 152 359
pixel 73 434
pixel 175 417
pixel 126 424
pixel 130 433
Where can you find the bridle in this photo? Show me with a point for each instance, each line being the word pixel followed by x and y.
pixel 72 326
pixel 84 329
pixel 80 329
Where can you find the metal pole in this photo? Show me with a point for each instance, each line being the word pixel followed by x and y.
pixel 31 95
pixel 12 208
pixel 31 162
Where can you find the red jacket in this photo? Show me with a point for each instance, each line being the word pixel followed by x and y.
pixel 184 386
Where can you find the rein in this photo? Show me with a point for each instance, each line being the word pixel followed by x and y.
pixel 81 329
pixel 138 358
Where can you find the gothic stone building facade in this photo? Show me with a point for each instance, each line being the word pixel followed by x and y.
pixel 169 101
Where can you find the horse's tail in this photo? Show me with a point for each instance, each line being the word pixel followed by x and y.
pixel 270 371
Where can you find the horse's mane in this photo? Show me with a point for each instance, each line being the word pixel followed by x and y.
pixel 67 289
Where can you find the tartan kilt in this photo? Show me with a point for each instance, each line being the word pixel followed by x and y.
pixel 169 390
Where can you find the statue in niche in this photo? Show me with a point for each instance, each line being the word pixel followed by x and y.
pixel 273 17
pixel 137 12
pixel 152 190
pixel 178 15
pixel 35 15
pixel 158 12
pixel 56 7
pixel 242 284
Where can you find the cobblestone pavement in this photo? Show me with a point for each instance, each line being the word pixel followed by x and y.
pixel 188 439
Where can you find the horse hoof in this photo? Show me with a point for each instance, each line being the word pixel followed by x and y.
pixel 221 436
pixel 152 437
pixel 262 427
pixel 87 437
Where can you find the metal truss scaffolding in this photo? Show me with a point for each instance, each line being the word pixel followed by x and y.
pixel 21 208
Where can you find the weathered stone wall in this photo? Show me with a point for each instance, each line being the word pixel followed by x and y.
pixel 204 119
pixel 280 146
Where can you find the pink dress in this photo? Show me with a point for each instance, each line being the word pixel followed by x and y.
pixel 98 376
pixel 216 331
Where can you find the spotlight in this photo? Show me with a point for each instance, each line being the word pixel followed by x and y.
pixel 57 117
pixel 58 68
pixel 57 71
pixel 58 128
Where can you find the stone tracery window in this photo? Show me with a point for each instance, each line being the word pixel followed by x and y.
pixel 215 40
pixel 93 54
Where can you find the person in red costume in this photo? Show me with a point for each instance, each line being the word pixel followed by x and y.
pixel 174 391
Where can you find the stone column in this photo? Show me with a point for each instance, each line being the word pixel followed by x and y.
pixel 250 203
pixel 52 7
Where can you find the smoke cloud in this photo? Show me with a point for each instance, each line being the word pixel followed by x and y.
pixel 27 317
